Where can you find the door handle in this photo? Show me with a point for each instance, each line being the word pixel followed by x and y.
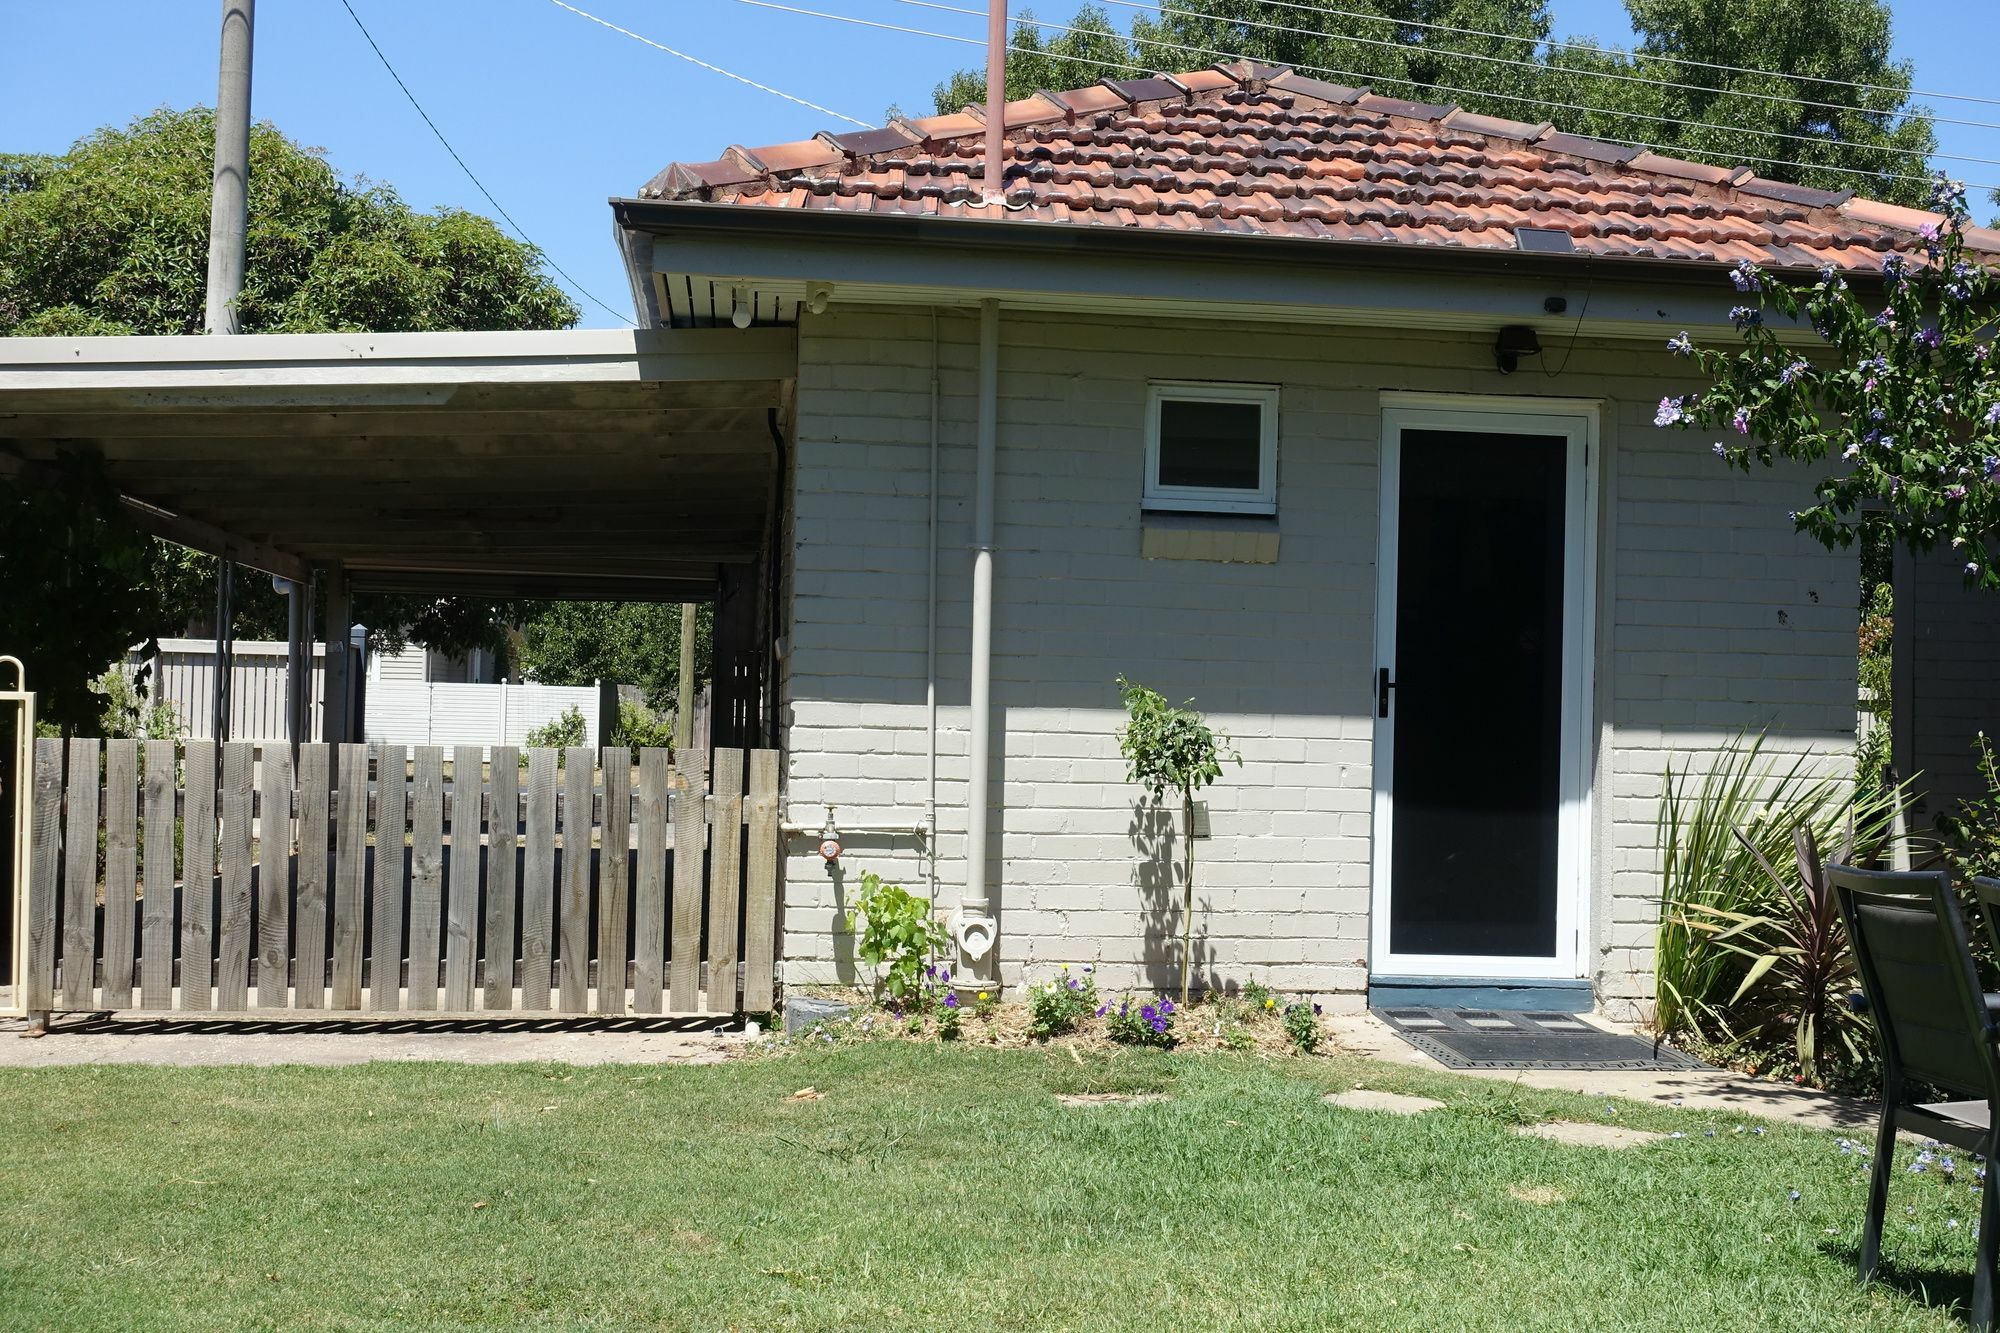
pixel 1382 687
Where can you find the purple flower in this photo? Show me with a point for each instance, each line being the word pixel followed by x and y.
pixel 1954 492
pixel 1720 449
pixel 1894 266
pixel 1745 316
pixel 1671 413
pixel 1746 277
pixel 1681 346
pixel 1993 415
pixel 1741 420
pixel 1928 339
pixel 1101 1008
pixel 1972 569
pixel 1791 374
pixel 951 1001
pixel 1072 983
pixel 1088 968
pixel 1992 465
pixel 1948 195
pixel 1851 452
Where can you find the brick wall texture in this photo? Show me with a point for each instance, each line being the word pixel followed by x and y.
pixel 1713 617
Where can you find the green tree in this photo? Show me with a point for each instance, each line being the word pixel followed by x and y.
pixel 112 238
pixel 633 643
pixel 1500 63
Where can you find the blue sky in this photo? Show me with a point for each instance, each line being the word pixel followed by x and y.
pixel 557 114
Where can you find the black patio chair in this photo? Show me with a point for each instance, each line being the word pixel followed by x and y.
pixel 1924 995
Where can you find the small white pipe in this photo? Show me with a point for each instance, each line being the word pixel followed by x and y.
pixel 979 747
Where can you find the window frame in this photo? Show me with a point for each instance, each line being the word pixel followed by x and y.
pixel 1160 498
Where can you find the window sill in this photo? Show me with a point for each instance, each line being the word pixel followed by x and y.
pixel 1242 539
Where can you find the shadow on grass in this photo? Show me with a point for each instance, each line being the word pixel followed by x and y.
pixel 1946 1289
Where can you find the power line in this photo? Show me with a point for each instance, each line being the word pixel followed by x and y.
pixel 713 69
pixel 1614 51
pixel 944 36
pixel 1364 79
pixel 1585 73
pixel 1333 36
pixel 469 174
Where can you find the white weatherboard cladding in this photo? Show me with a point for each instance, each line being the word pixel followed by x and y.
pixel 1713 616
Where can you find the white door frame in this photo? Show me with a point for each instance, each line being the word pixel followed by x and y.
pixel 1577 421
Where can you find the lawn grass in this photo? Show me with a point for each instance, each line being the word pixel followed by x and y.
pixel 930 1186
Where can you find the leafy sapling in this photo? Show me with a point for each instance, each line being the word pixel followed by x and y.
pixel 1173 752
pixel 894 930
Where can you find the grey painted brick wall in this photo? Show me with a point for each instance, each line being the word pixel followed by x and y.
pixel 1714 616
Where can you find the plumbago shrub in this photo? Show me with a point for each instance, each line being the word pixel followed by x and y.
pixel 1056 1008
pixel 1904 400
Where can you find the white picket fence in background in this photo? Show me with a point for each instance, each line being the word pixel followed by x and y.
pixel 396 712
pixel 415 712
pixel 183 674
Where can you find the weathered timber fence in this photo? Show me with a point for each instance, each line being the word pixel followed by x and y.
pixel 379 879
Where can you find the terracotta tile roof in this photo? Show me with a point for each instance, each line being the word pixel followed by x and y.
pixel 1262 150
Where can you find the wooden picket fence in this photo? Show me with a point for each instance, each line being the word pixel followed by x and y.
pixel 371 879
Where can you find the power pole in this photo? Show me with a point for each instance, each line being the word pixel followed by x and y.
pixel 229 206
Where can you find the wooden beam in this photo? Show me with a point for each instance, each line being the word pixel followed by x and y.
pixel 176 527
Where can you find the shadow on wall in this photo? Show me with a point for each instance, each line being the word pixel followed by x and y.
pixel 1156 873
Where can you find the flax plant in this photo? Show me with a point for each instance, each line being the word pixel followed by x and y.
pixel 1720 831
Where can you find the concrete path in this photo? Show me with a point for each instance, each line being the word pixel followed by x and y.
pixel 177 1040
pixel 1695 1089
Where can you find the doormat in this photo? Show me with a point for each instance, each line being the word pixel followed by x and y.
pixel 1489 1039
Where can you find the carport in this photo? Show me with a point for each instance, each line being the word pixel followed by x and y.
pixel 622 465
pixel 591 465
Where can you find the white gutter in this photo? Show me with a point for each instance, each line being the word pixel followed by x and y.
pixel 975 928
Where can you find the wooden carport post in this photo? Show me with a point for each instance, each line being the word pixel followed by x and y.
pixel 334 722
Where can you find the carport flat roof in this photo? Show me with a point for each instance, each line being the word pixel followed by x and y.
pixel 625 463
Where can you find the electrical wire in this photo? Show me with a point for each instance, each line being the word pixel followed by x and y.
pixel 470 175
pixel 713 69
pixel 1614 51
pixel 943 36
pixel 1586 73
pixel 1532 65
pixel 1360 77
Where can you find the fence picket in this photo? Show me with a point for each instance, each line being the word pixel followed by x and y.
pixel 198 847
pixel 46 851
pixel 690 842
pixel 385 951
pixel 232 958
pixel 612 879
pixel 121 869
pixel 79 910
pixel 350 877
pixel 649 905
pixel 156 942
pixel 274 880
pixel 760 885
pixel 538 881
pixel 309 913
pixel 502 879
pixel 725 883
pixel 426 876
pixel 461 936
pixel 573 919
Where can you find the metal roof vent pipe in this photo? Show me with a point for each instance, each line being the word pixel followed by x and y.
pixel 996 100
